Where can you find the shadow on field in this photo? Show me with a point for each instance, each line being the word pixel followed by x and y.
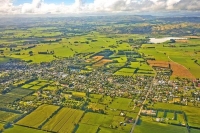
pixel 139 122
pixel 76 128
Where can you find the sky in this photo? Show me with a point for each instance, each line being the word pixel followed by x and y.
pixel 95 6
pixel 68 2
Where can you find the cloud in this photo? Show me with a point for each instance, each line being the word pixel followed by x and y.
pixel 40 7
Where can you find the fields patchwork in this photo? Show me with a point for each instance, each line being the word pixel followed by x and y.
pixel 38 116
pixel 64 121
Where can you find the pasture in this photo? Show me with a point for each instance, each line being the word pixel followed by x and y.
pixel 121 104
pixel 38 116
pixel 84 128
pixel 106 121
pixel 146 125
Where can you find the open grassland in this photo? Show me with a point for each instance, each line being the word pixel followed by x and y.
pixel 121 104
pixel 97 119
pixel 21 129
pixel 106 121
pixel 8 116
pixel 194 130
pixel 146 125
pixel 85 128
pixel 64 121
pixel 109 130
pixel 38 116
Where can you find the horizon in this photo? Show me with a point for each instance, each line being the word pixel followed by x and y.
pixel 95 7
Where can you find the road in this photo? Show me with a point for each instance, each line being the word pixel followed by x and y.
pixel 138 115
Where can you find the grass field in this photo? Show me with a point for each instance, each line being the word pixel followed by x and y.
pixel 121 104
pixel 126 71
pixel 106 100
pixel 109 130
pixel 64 121
pixel 85 128
pixel 106 121
pixel 194 130
pixel 38 116
pixel 20 129
pixel 146 125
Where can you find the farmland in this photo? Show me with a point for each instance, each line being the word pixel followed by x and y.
pixel 121 104
pixel 191 112
pixel 36 85
pixel 146 125
pixel 105 121
pixel 179 52
pixel 84 128
pixel 21 129
pixel 8 116
pixel 93 74
pixel 12 96
pixel 38 116
pixel 64 121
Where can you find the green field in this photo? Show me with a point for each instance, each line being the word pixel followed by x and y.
pixel 64 121
pixel 146 125
pixel 106 121
pixel 192 113
pixel 38 116
pixel 121 104
pixel 20 129
pixel 85 128
pixel 183 53
pixel 194 130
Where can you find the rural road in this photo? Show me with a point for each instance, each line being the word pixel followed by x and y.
pixel 138 115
